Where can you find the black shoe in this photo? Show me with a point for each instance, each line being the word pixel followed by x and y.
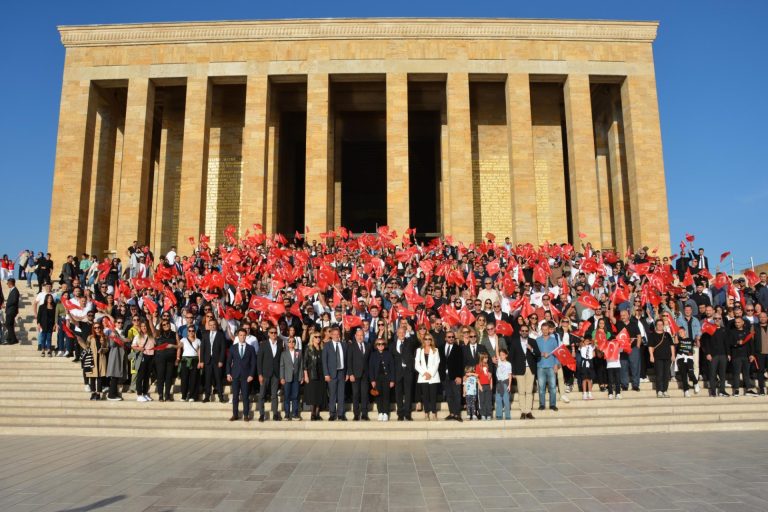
pixel 332 417
pixel 233 418
pixel 635 389
pixel 355 418
pixel 541 407
pixel 554 408
pixel 95 396
pixel 450 417
pixel 400 418
pixel 297 417
pixel 161 399
pixel 522 416
pixel 169 399
pixel 287 418
pixel 624 388
pixel 458 418
pixel 313 418
pixel 529 416
pixel 221 399
pixel 277 417
pixel 365 418
pixel 206 400
pixel 247 418
pixel 408 418
pixel 712 394
pixel 261 419
pixel 3 342
pixel 342 418
pixel 39 348
pixel 724 393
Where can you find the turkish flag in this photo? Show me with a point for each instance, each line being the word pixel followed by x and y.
pixel 751 277
pixel 688 279
pixel 67 330
pixel 690 237
pixel 721 280
pixel 705 274
pixel 100 305
pixel 708 328
pixel 582 235
pixel 504 328
pixel 565 357
pixel 449 315
pixel 295 310
pixel 490 236
pixel 466 317
pixel 747 338
pixel 588 301
pixel 724 255
pixel 600 339
pixel 539 275
pixel 611 350
pixel 351 321
pixel 493 267
pixel 640 268
pixel 337 297
pixel 508 284
pixel 258 303
pixel 624 341
pixel 151 305
pixel 582 330
pixel 276 308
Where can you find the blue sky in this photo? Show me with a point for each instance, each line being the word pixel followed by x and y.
pixel 710 68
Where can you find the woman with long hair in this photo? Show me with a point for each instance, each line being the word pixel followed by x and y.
pixel 144 346
pixel 94 359
pixel 427 366
pixel 314 389
pixel 46 324
pixel 167 344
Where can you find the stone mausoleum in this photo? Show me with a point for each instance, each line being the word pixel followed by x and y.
pixel 534 129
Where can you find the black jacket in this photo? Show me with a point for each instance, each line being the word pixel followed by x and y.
pixel 406 360
pixel 12 302
pixel 376 369
pixel 472 361
pixel 518 358
pixel 717 344
pixel 357 362
pixel 219 347
pixel 451 367
pixel 736 342
pixel 267 365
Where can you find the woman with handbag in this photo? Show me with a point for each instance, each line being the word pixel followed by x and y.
pixel 94 359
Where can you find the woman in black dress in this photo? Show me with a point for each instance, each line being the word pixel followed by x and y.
pixel 314 390
pixel 662 352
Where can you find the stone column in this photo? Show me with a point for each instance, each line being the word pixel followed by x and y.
pixel 134 207
pixel 460 158
pixel 254 151
pixel 194 160
pixel 398 198
pixel 585 214
pixel 318 208
pixel 617 163
pixel 71 179
pixel 520 143
pixel 645 164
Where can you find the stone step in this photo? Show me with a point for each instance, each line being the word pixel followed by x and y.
pixel 129 410
pixel 319 430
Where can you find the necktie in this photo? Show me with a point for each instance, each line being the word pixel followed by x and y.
pixel 241 351
pixel 448 351
pixel 362 350
pixel 473 351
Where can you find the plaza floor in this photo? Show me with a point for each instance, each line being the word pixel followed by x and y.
pixel 693 472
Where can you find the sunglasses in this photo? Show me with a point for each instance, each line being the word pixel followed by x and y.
pixel 379 344
pixel 272 332
pixel 472 336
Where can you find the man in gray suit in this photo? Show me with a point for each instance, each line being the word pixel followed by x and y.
pixel 291 375
pixel 335 371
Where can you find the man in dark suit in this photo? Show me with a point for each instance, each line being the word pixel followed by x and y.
pixel 335 372
pixel 472 350
pixel 404 353
pixel 451 374
pixel 213 350
pixel 241 367
pixel 358 354
pixel 268 368
pixel 701 260
pixel 11 310
pixel 523 354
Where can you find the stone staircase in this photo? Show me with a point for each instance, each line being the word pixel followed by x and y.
pixel 45 396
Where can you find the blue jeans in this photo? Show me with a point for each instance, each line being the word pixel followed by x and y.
pixel 624 372
pixel 45 340
pixel 502 399
pixel 291 399
pixel 546 378
pixel 29 278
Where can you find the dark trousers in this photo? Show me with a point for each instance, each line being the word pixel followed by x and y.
pixel 403 393
pixel 10 328
pixel 741 368
pixel 240 390
pixel 142 375
pixel 634 361
pixel 165 372
pixel 113 383
pixel 382 401
pixel 661 367
pixel 213 376
pixel 453 397
pixel 189 378
pixel 717 370
pixel 291 399
pixel 614 377
pixel 270 384
pixel 685 367
pixel 762 360
pixel 360 396
pixel 486 400
pixel 95 383
pixel 429 397
pixel 336 392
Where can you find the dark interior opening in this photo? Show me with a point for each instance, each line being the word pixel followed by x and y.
pixel 291 162
pixel 424 169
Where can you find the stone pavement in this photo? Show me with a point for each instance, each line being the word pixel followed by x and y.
pixel 702 472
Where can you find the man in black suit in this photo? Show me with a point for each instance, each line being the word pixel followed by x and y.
pixel 404 353
pixel 473 349
pixel 358 354
pixel 334 358
pixel 213 350
pixel 451 374
pixel 241 367
pixel 523 354
pixel 701 260
pixel 268 368
pixel 11 310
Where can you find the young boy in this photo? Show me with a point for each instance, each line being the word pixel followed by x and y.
pixel 503 385
pixel 685 346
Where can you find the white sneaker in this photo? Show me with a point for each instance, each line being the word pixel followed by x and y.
pixel 568 389
pixel 584 396
pixel 386 417
pixel 665 395
pixel 645 379
pixel 141 398
pixel 696 389
pixel 381 417
pixel 148 398
pixel 565 399
pixel 610 396
pixel 116 399
pixel 87 388
pixel 59 353
pixel 659 395
pixel 589 396
pixel 687 394
pixel 618 397
pixel 66 353
pixel 190 399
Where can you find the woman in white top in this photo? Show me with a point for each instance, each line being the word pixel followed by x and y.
pixel 189 351
pixel 427 366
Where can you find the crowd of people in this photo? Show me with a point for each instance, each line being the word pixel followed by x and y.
pixel 381 318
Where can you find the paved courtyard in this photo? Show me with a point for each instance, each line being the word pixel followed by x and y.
pixel 697 472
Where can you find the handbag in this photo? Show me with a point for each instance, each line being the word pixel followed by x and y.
pixel 86 360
